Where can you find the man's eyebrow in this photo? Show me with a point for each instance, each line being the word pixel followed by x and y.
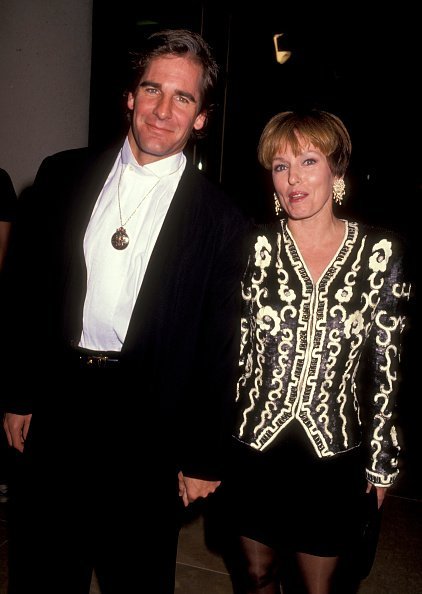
pixel 186 94
pixel 148 83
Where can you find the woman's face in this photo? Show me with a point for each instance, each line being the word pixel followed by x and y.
pixel 303 182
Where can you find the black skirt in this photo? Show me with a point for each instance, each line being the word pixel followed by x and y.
pixel 290 499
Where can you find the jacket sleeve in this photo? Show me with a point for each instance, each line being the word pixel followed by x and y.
pixel 30 301
pixel 386 342
pixel 208 415
pixel 19 312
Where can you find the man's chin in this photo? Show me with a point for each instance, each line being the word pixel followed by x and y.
pixel 153 152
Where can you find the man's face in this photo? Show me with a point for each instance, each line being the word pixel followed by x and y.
pixel 165 108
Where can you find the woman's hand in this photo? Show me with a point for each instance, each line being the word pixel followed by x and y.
pixel 381 492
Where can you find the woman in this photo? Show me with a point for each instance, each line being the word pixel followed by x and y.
pixel 321 326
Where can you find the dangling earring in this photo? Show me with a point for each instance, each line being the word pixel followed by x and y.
pixel 339 190
pixel 277 205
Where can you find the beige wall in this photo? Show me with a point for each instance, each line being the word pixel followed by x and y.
pixel 45 63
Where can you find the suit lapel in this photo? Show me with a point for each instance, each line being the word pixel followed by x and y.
pixel 161 277
pixel 87 189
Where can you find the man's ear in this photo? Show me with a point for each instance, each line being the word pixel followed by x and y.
pixel 200 120
pixel 130 101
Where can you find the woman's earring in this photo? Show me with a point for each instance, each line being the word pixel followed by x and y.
pixel 277 205
pixel 339 190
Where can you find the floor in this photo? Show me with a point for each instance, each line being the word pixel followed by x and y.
pixel 200 569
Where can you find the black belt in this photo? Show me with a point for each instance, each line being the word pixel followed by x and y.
pixel 94 359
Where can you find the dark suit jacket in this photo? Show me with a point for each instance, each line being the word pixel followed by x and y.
pixel 181 350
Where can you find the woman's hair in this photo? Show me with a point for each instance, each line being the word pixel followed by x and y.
pixel 323 130
pixel 179 42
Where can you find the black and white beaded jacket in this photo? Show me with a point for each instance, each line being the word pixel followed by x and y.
pixel 304 345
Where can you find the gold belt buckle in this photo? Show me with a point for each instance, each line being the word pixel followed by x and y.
pixel 97 361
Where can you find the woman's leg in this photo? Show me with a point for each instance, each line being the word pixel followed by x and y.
pixel 317 572
pixel 257 571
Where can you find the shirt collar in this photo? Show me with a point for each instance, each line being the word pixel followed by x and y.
pixel 159 168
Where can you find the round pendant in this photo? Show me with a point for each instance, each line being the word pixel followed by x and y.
pixel 120 239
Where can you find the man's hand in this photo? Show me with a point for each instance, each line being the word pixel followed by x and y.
pixel 191 489
pixel 16 428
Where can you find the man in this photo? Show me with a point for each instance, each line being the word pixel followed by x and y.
pixel 126 271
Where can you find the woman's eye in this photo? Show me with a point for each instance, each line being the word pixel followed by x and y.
pixel 310 161
pixel 280 167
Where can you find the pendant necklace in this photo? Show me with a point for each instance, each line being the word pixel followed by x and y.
pixel 120 239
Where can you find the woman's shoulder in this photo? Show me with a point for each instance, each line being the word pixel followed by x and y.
pixel 269 229
pixel 376 233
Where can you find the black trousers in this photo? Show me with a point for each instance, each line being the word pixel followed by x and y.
pixel 93 491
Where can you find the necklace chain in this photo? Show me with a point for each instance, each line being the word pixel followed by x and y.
pixel 123 224
pixel 120 239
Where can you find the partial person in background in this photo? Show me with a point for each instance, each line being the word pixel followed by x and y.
pixel 125 280
pixel 324 309
pixel 8 206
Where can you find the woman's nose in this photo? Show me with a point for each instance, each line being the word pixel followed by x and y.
pixel 294 176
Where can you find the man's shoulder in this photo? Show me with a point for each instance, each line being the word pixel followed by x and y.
pixel 76 157
pixel 70 167
pixel 210 195
pixel 200 180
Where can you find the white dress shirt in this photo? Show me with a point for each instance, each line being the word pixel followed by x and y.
pixel 114 276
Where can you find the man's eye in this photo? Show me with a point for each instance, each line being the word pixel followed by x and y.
pixel 149 90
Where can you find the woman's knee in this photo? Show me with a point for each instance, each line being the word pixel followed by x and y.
pixel 258 565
